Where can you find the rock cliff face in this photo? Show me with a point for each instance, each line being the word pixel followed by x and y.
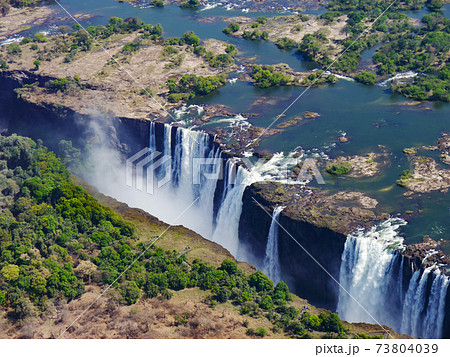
pixel 314 227
pixel 52 124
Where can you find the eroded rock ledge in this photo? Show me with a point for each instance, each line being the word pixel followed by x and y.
pixel 427 253
pixel 341 212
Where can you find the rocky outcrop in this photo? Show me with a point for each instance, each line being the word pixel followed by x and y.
pixel 444 146
pixel 427 253
pixel 426 176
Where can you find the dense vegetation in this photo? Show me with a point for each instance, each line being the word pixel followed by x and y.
pixel 266 76
pixel 422 49
pixel 46 225
pixel 365 77
pixel 190 4
pixel 404 46
pixel 77 40
pixel 190 85
pixel 425 51
pixel 231 28
pixel 339 168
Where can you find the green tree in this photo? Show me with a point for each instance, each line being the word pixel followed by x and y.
pixel 266 303
pixel 231 28
pixel 130 292
pixel 339 168
pixel 37 63
pixel 10 272
pixel 190 4
pixel 190 38
pixel 14 49
pixel 229 266
pixel 365 77
pixel 260 282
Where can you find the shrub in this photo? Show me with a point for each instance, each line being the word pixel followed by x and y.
pixel 266 303
pixel 260 282
pixel 365 77
pixel 40 37
pixel 190 4
pixel 130 292
pixel 286 44
pixel 260 332
pixel 172 41
pixel 200 50
pixel 231 28
pixel 295 328
pixel 339 168
pixel 190 38
pixel 261 20
pixel 230 48
pixel 229 266
pixel 14 49
pixel 222 60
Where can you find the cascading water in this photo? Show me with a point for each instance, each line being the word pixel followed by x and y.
pixel 192 165
pixel 422 319
pixel 366 265
pixel 189 146
pixel 226 232
pixel 372 276
pixel 152 137
pixel 271 264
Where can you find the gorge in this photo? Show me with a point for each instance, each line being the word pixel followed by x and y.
pixel 367 262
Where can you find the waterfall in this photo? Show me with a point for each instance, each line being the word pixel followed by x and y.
pixel 365 270
pixel 372 274
pixel 190 151
pixel 271 264
pixel 152 137
pixel 422 319
pixel 227 223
